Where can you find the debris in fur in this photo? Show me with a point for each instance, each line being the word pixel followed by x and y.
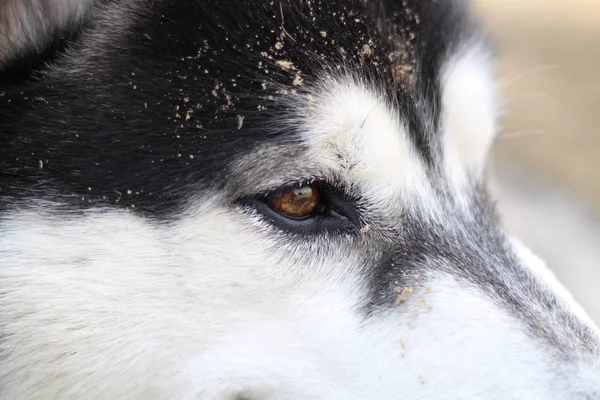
pixel 404 295
pixel 403 72
pixel 422 306
pixel 366 50
pixel 240 121
pixel 297 80
pixel 365 229
pixel 284 64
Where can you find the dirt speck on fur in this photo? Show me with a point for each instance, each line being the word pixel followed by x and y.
pixel 240 121
pixel 404 295
pixel 366 50
pixel 403 72
pixel 284 64
pixel 403 349
pixel 297 80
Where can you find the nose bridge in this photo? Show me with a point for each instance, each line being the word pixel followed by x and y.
pixel 477 252
pixel 561 322
pixel 481 257
pixel 502 297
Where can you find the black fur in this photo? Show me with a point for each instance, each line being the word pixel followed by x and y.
pixel 116 121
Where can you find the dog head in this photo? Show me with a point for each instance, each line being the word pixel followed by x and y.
pixel 264 200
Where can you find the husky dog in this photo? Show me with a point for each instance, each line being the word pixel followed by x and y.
pixel 264 200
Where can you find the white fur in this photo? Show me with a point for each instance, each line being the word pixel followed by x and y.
pixel 140 312
pixel 170 295
pixel 356 122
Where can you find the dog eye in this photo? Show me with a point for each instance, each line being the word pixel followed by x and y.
pixel 297 202
pixel 308 207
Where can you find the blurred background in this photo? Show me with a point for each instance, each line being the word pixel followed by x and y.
pixel 546 164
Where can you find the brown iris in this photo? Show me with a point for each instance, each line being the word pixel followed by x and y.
pixel 297 202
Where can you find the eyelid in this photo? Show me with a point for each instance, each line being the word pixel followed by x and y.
pixel 292 184
pixel 341 216
pixel 285 180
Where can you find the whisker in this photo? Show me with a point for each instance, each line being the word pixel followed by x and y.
pixel 516 78
pixel 530 96
pixel 370 112
pixel 518 134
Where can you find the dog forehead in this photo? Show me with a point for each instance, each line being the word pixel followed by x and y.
pixel 365 91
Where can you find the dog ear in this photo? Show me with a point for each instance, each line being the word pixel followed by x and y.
pixel 28 26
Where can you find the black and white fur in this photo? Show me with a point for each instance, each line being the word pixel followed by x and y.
pixel 138 261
